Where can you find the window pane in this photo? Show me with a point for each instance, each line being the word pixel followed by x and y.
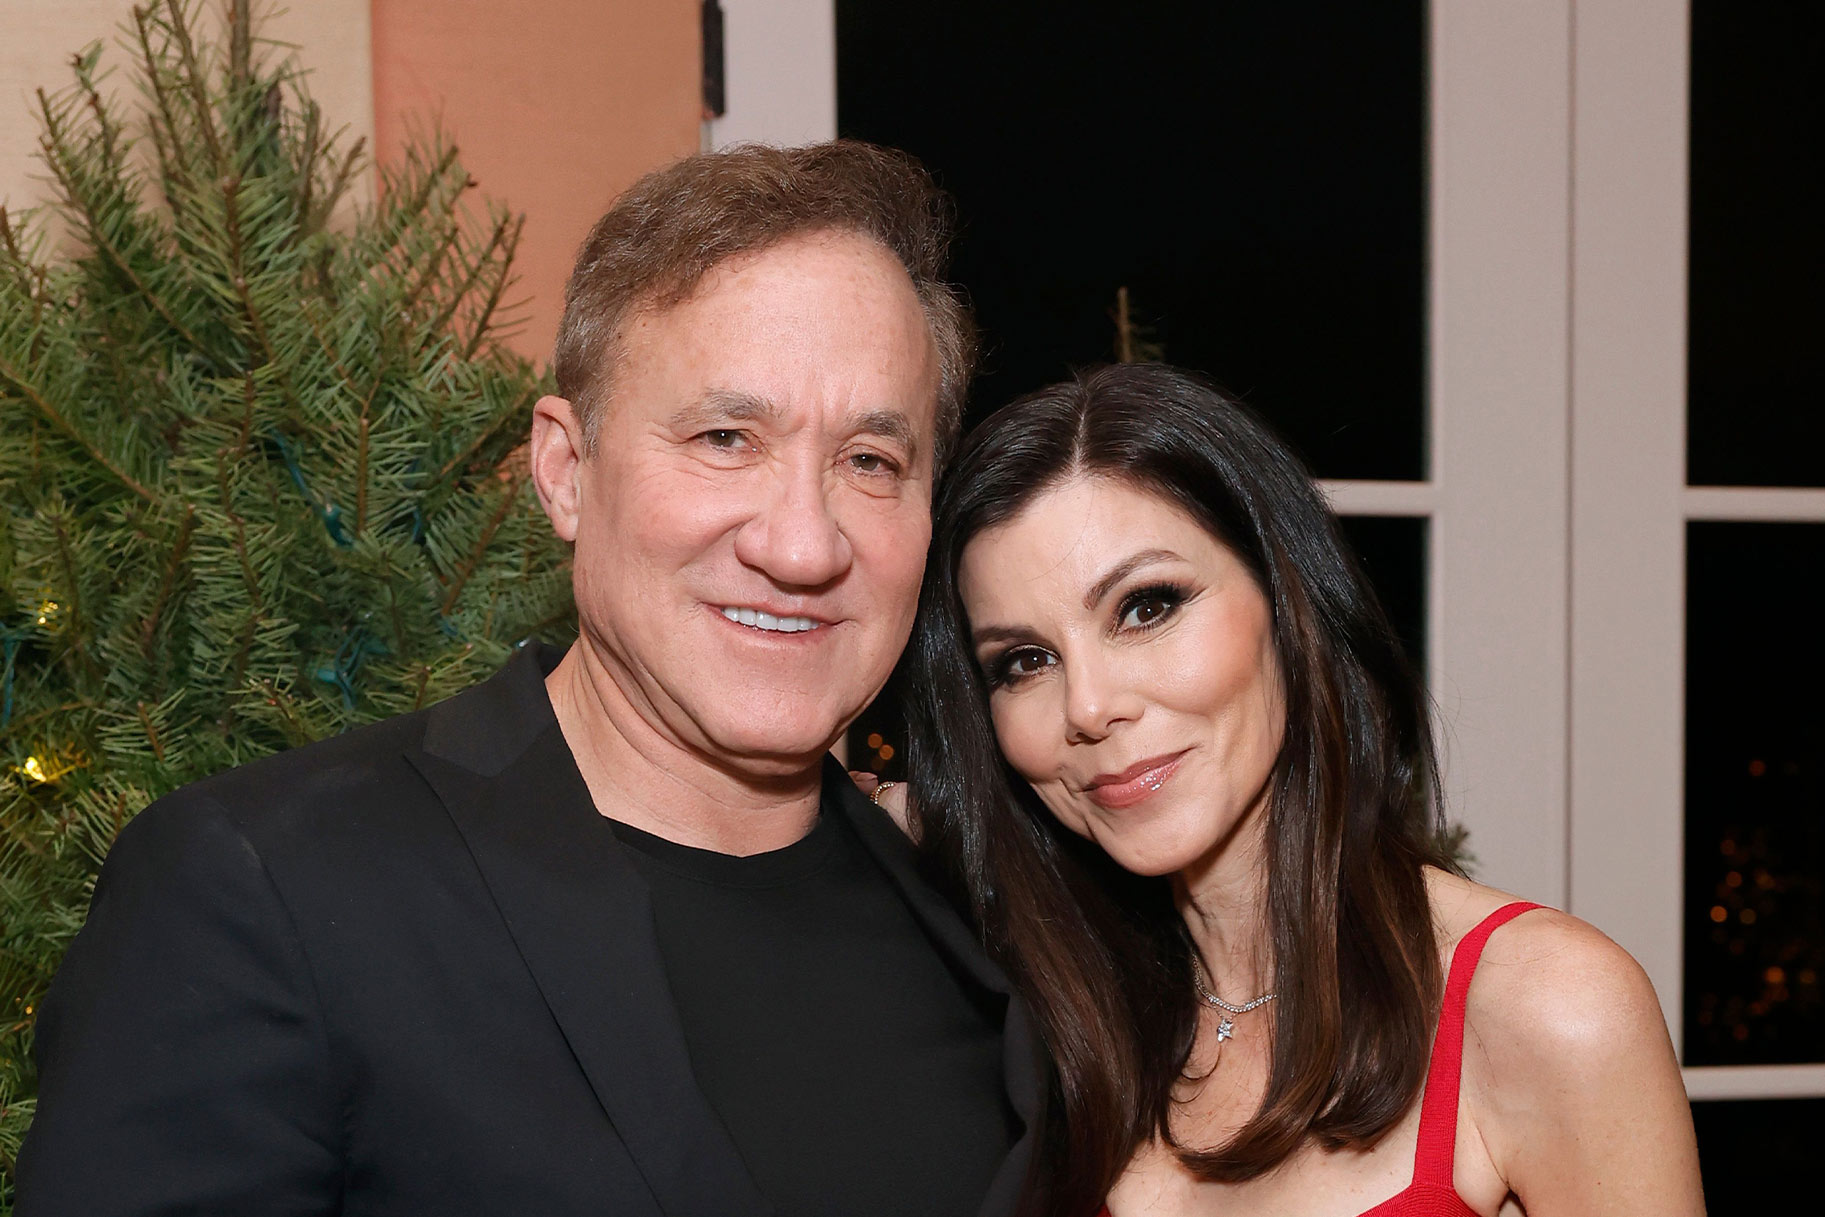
pixel 1392 550
pixel 1755 794
pixel 1253 174
pixel 1751 1150
pixel 1757 346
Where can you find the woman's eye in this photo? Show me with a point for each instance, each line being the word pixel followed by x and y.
pixel 1144 613
pixel 1149 607
pixel 1018 665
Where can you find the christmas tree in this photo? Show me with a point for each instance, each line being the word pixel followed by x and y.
pixel 257 460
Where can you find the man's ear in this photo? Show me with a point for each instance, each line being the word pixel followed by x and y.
pixel 557 454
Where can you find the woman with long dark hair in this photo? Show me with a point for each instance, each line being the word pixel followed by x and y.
pixel 1166 748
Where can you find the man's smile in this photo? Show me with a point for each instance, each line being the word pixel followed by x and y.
pixel 760 619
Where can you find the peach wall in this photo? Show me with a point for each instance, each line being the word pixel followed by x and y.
pixel 555 105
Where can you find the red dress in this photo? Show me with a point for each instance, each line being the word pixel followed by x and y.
pixel 1433 1193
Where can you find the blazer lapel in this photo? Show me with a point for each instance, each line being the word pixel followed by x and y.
pixel 582 919
pixel 1022 1058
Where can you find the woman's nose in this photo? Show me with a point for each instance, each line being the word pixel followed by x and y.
pixel 1097 698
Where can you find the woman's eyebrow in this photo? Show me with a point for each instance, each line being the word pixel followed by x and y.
pixel 1121 570
pixel 1001 633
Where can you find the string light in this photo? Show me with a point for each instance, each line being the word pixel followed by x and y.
pixel 47 767
pixel 48 610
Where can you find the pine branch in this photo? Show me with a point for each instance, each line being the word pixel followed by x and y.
pixel 495 240
pixel 55 417
pixel 180 549
pixel 361 473
pixel 508 421
pixel 16 259
pixel 110 134
pixel 485 317
pixel 415 206
pixel 198 83
pixel 155 78
pixel 313 131
pixel 13 729
pixel 56 158
pixel 237 255
pixel 240 44
pixel 477 552
pixel 338 186
pixel 145 721
pixel 451 235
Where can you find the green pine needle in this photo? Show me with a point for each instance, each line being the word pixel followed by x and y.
pixel 258 461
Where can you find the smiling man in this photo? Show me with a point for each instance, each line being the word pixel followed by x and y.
pixel 609 933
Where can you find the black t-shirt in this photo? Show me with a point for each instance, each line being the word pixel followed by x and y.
pixel 856 1072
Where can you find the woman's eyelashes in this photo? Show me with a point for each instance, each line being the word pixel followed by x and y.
pixel 1149 607
pixel 1016 664
pixel 1145 608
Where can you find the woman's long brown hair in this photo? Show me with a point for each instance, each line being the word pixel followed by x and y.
pixel 1103 956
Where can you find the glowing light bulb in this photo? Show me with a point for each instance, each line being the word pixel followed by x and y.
pixel 34 769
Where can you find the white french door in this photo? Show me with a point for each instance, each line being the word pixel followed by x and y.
pixel 1555 498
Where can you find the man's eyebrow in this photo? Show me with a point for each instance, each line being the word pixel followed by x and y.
pixel 722 406
pixel 1121 570
pixel 890 425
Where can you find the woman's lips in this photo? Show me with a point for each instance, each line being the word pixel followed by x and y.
pixel 1135 783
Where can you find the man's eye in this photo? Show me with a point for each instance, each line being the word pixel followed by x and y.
pixel 872 462
pixel 727 438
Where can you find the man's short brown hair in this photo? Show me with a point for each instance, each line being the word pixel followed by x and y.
pixel 676 224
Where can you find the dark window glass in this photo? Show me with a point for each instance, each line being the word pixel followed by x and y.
pixel 1755 794
pixel 1252 174
pixel 1392 551
pixel 1756 358
pixel 1755 1150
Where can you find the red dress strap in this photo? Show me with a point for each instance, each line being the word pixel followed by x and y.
pixel 1433 1161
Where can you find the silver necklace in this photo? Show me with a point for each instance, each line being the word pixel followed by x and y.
pixel 1226 1028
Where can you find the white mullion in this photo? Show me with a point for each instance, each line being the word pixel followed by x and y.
pixel 1365 498
pixel 1768 504
pixel 1755 1081
pixel 1629 182
pixel 1498 256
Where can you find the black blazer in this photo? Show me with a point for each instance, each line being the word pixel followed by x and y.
pixel 404 971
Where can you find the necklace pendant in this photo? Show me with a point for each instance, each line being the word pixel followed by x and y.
pixel 1225 1029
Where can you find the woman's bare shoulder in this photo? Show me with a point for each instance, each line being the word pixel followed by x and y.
pixel 1548 983
pixel 1567 1060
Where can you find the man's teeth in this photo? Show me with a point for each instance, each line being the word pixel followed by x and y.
pixel 767 621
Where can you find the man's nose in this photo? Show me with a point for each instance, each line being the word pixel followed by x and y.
pixel 1096 698
pixel 794 538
